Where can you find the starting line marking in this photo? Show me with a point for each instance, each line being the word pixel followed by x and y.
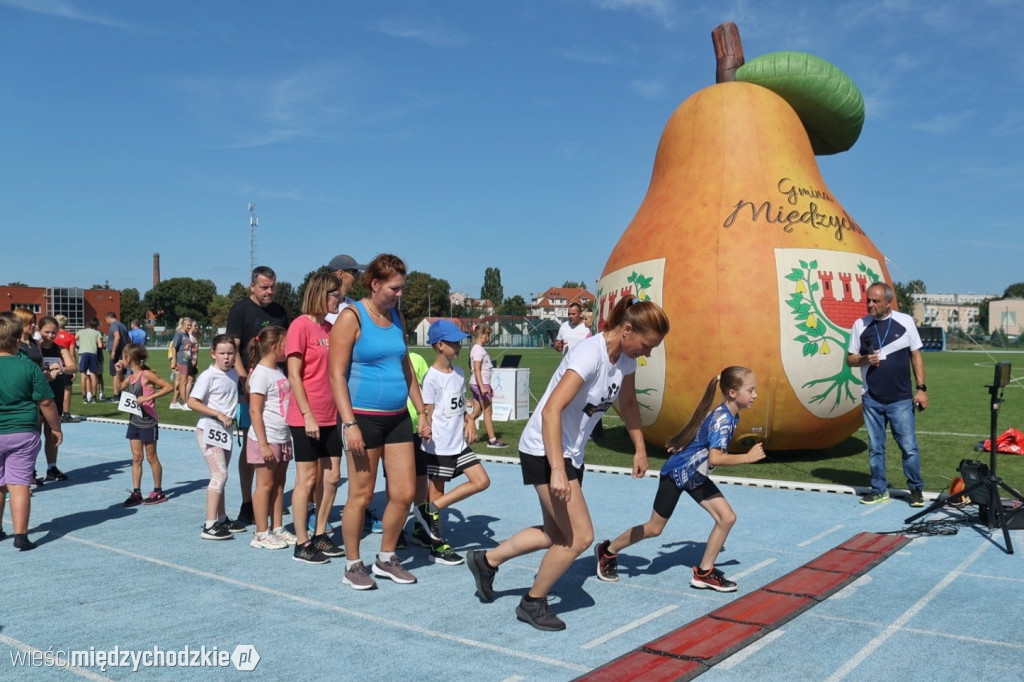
pixel 629 626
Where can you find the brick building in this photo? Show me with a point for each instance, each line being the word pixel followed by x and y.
pixel 77 304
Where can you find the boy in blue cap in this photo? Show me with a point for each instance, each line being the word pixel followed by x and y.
pixel 447 452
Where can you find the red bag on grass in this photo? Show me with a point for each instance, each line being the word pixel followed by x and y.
pixel 1010 443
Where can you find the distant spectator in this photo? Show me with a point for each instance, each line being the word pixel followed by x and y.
pixel 89 341
pixel 137 334
pixel 59 367
pixel 27 344
pixel 117 339
pixel 347 270
pixel 572 331
pixel 66 339
pixel 182 348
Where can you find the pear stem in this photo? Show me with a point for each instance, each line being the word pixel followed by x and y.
pixel 728 51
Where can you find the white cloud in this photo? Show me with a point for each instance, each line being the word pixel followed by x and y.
pixel 433 33
pixel 662 11
pixel 943 124
pixel 64 9
pixel 651 88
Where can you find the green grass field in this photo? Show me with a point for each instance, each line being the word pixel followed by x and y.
pixel 958 417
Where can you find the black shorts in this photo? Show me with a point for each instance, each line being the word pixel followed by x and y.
pixel 421 457
pixel 537 470
pixel 447 467
pixel 150 434
pixel 387 429
pixel 306 449
pixel 668 495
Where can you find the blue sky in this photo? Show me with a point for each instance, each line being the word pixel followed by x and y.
pixel 516 134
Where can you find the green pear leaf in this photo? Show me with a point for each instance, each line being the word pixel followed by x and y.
pixel 828 103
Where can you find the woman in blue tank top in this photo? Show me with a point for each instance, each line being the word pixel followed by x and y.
pixel 371 378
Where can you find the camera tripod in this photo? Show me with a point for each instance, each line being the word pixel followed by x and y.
pixel 988 484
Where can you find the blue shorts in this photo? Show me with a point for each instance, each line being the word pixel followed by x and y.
pixel 146 434
pixel 88 363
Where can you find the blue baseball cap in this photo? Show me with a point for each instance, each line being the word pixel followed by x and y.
pixel 445 330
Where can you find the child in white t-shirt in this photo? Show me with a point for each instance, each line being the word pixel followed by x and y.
pixel 215 397
pixel 270 443
pixel 451 428
pixel 480 384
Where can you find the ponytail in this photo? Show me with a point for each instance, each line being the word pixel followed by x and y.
pixel 645 317
pixel 261 345
pixel 731 378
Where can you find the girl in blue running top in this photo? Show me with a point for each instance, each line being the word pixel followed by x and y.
pixel 702 445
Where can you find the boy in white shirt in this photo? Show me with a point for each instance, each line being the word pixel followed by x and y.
pixel 452 428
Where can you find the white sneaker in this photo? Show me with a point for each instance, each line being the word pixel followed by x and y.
pixel 284 536
pixel 185 407
pixel 175 406
pixel 267 541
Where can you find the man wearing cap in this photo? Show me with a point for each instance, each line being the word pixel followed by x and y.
pixel 346 269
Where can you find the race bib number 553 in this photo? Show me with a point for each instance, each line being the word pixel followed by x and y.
pixel 216 435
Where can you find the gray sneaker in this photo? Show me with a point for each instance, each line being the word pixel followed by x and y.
pixel 358 578
pixel 482 572
pixel 537 614
pixel 393 570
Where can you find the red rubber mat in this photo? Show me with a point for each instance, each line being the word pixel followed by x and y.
pixel 692 649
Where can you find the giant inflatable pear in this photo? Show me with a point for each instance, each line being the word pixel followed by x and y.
pixel 749 252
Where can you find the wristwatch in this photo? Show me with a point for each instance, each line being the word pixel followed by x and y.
pixel 922 387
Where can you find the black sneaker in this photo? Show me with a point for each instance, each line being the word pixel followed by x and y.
pixel 217 531
pixel 713 580
pixel 536 613
pixel 482 572
pixel 55 474
pixel 22 543
pixel 442 553
pixel 309 554
pixel 607 563
pixel 66 418
pixel 323 544
pixel 37 481
pixel 233 526
pixel 245 516
pixel 134 500
pixel 916 497
pixel 430 520
pixel 420 536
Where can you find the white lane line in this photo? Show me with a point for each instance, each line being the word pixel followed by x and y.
pixel 756 567
pixel 749 651
pixel 921 631
pixel 898 624
pixel 34 653
pixel 629 626
pixel 339 609
pixel 819 536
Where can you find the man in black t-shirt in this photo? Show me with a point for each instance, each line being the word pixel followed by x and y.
pixel 245 321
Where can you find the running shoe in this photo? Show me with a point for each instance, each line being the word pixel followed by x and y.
pixel 916 497
pixel 420 536
pixel 234 526
pixel 607 563
pixel 358 578
pixel 266 540
pixel 323 544
pixel 536 613
pixel 284 535
pixel 216 532
pixel 483 573
pixel 155 497
pixel 875 498
pixel 134 500
pixel 713 579
pixel 442 553
pixel 429 517
pixel 309 554
pixel 55 474
pixel 496 443
pixel 393 570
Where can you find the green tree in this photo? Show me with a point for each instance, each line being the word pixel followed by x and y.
pixel 424 295
pixel 132 307
pixel 904 293
pixel 178 297
pixel 237 292
pixel 514 306
pixel 492 289
pixel 1014 291
pixel 573 285
pixel 289 298
pixel 218 309
pixel 16 284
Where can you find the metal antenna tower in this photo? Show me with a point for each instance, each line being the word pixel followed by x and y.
pixel 254 222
